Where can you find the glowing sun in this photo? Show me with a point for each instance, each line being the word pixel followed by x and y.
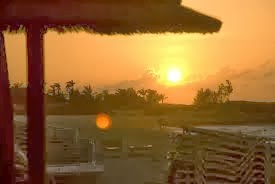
pixel 174 75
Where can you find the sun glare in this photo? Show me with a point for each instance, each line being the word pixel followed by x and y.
pixel 174 75
pixel 103 121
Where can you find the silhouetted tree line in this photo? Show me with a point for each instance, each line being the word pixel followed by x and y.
pixel 86 97
pixel 207 96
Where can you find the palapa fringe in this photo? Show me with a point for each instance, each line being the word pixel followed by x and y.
pixel 107 19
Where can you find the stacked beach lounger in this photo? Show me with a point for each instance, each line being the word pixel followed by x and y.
pixel 209 156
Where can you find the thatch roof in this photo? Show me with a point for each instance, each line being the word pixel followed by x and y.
pixel 107 16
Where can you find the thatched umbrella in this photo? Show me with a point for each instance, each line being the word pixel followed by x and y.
pixel 99 16
pixel 108 16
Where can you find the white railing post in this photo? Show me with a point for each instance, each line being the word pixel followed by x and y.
pixel 76 138
pixel 93 154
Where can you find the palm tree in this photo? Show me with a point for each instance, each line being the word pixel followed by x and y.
pixel 121 93
pixel 142 92
pixel 70 87
pixel 152 96
pixel 162 97
pixel 105 92
pixel 57 87
pixel 131 92
pixel 88 91
pixel 17 85
pixel 52 90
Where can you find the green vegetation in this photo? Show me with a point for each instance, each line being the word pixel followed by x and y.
pixel 207 96
pixel 210 106
pixel 121 97
pixel 72 100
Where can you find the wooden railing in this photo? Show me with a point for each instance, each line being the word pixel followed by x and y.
pixel 208 156
pixel 63 145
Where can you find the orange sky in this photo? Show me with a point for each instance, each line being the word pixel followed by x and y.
pixel 246 40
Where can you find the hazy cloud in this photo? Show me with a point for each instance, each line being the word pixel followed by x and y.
pixel 257 83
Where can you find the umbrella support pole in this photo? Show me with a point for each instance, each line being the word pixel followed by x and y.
pixel 35 104
pixel 6 123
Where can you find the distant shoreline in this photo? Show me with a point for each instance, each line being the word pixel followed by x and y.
pixel 177 123
pixel 233 113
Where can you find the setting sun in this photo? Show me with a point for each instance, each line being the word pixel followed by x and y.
pixel 174 75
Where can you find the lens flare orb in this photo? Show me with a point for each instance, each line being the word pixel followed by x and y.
pixel 103 121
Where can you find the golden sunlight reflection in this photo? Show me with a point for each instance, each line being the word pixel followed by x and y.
pixel 103 121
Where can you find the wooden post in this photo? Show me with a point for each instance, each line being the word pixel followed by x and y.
pixel 35 104
pixel 268 163
pixel 6 123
